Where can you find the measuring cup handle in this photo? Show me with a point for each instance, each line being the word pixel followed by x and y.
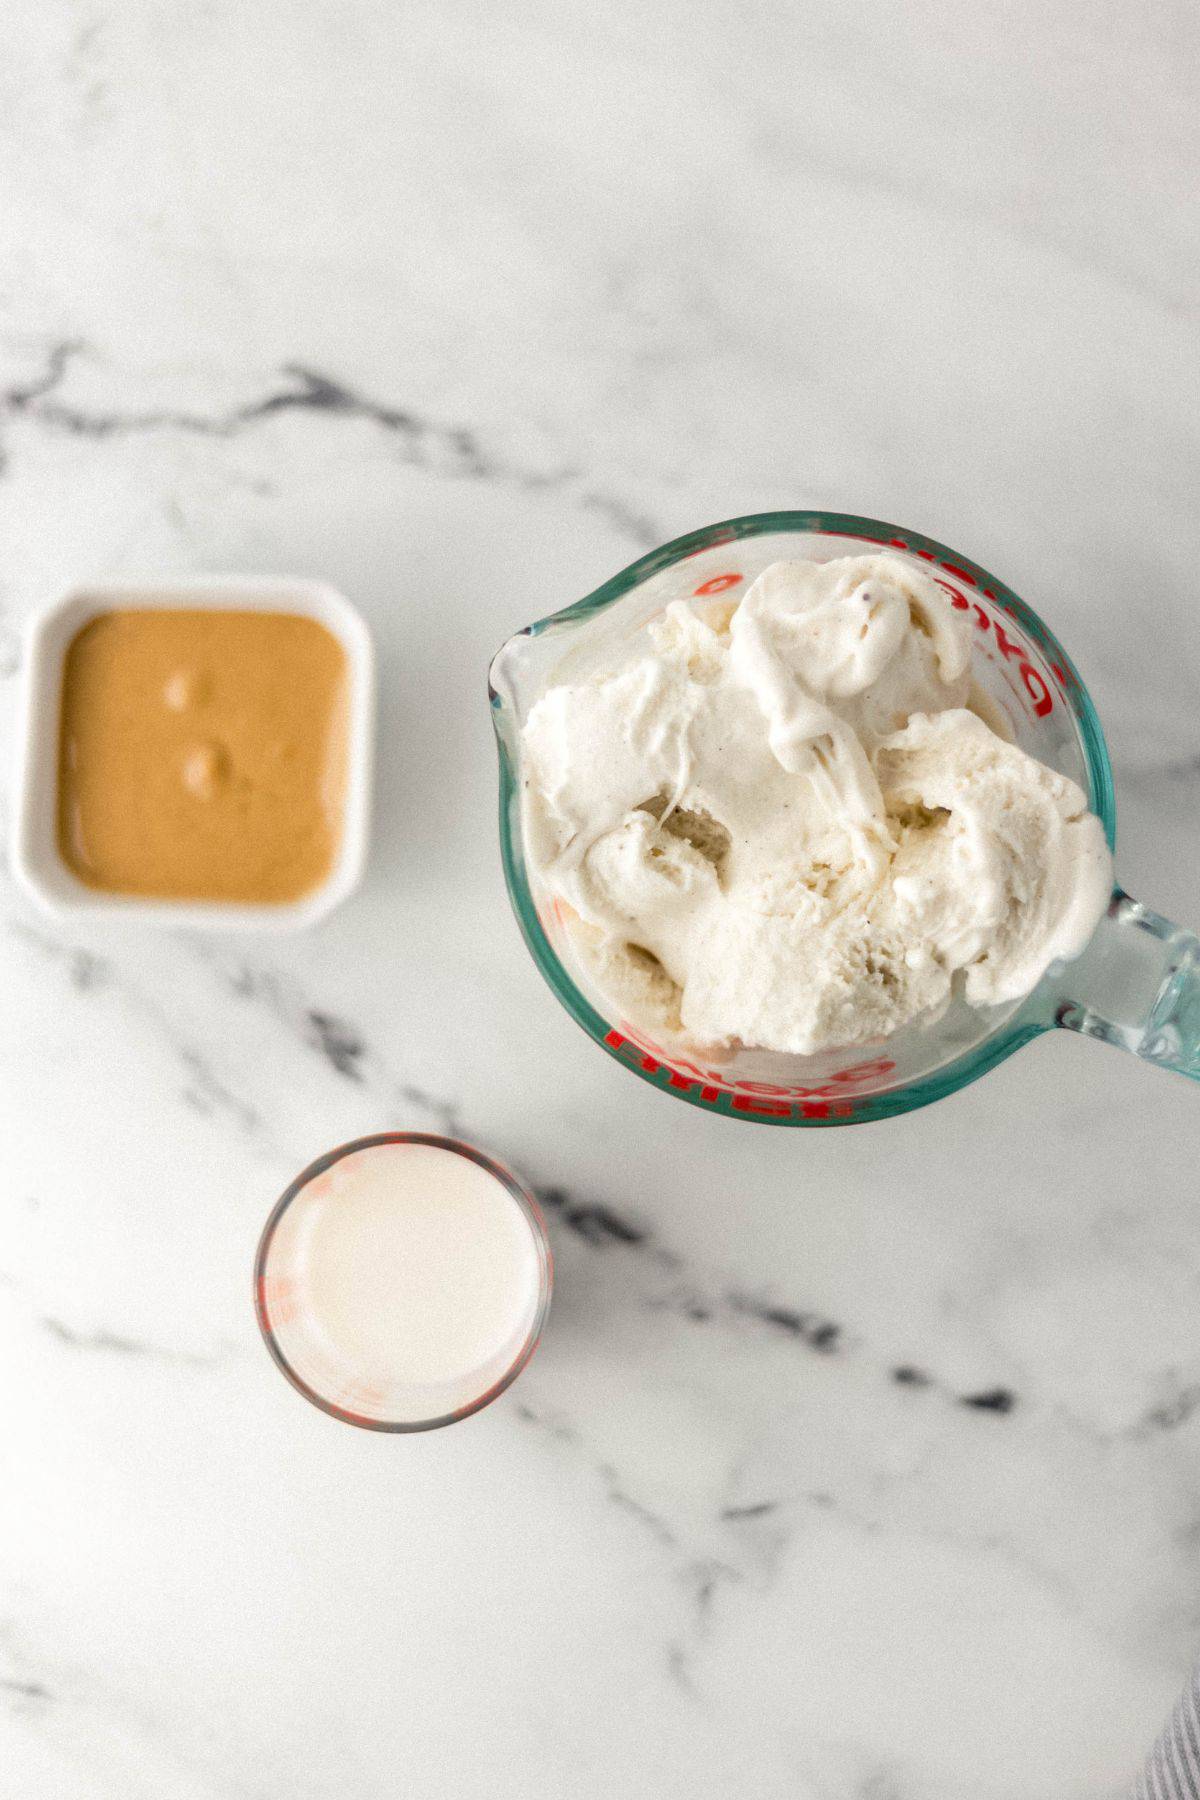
pixel 1137 985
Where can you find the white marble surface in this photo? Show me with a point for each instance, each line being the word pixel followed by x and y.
pixel 460 305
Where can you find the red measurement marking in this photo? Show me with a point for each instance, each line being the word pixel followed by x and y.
pixel 1007 646
pixel 717 584
pixel 859 1073
pixel 957 600
pixel 959 574
pixel 1010 649
pixel 748 1103
pixel 748 1096
pixel 356 1395
pixel 1037 689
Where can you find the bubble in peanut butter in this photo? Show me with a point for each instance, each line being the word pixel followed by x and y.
pixel 206 769
pixel 187 687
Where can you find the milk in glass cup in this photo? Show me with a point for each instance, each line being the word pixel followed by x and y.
pixel 402 1281
pixel 1136 985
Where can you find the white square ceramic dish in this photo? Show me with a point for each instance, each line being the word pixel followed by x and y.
pixel 36 861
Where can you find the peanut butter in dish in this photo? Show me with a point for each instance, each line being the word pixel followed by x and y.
pixel 202 754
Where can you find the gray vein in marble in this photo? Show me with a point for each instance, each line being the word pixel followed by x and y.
pixel 1152 773
pixel 970 210
pixel 203 1090
pixel 880 1783
pixel 818 1333
pixel 758 1509
pixel 21 1684
pixel 906 1375
pixel 553 1424
pixel 994 1400
pixel 429 444
pixel 24 1690
pixel 58 358
pixel 116 1344
pixel 699 1576
pixel 339 1043
pixel 207 1094
pixel 444 1113
pixel 748 1535
pixel 601 1227
pixel 595 1223
pixel 872 1519
pixel 629 521
pixel 657 1526
pixel 702 1579
pixel 112 1343
pixel 1168 1415
pixel 92 1340
pixel 42 1683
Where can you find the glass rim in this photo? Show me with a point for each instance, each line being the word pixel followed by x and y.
pixel 516 1190
pixel 882 535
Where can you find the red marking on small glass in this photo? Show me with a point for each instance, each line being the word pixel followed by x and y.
pixel 717 584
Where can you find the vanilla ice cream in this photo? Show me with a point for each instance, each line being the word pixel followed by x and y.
pixel 783 825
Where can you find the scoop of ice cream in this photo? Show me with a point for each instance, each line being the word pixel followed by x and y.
pixel 1015 872
pixel 781 826
pixel 856 644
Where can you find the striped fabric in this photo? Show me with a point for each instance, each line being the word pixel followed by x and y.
pixel 1173 1771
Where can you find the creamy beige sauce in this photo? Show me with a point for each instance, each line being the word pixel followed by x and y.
pixel 202 754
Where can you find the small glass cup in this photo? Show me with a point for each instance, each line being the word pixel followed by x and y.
pixel 317 1367
pixel 1136 985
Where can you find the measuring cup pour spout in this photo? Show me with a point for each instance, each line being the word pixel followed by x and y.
pixel 1136 985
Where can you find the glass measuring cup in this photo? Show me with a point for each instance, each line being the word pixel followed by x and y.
pixel 1137 984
